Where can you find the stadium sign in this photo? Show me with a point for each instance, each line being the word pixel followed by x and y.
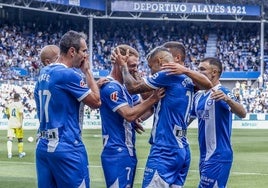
pixel 252 121
pixel 185 8
pixel 100 73
pixel 91 4
pixel 19 71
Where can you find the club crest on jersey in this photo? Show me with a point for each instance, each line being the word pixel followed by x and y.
pixel 82 83
pixel 114 96
pixel 209 102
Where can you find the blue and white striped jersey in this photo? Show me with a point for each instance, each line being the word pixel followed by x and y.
pixel 214 125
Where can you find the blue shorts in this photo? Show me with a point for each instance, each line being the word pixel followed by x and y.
pixel 62 169
pixel 214 174
pixel 119 169
pixel 166 167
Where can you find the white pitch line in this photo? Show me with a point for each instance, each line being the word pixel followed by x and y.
pixel 249 173
pixel 16 163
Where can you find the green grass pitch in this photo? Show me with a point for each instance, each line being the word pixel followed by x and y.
pixel 250 166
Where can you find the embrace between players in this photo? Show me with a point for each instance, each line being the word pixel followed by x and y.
pixel 173 94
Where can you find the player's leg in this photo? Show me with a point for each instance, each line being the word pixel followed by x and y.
pixel 151 177
pixel 224 174
pixel 70 169
pixel 119 171
pixel 44 173
pixel 183 172
pixel 163 167
pixel 214 174
pixel 19 134
pixel 10 136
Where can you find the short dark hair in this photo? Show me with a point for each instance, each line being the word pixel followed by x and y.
pixel 214 61
pixel 71 39
pixel 155 51
pixel 16 96
pixel 177 46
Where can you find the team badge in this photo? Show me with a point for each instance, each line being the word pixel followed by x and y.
pixel 209 102
pixel 114 96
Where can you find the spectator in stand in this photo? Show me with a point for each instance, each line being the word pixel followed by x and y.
pixel 237 48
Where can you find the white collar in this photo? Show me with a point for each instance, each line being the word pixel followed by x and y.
pixel 58 63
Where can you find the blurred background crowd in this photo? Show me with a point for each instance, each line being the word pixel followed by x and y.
pixel 237 47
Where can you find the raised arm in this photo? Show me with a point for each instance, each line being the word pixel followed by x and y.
pixel 93 98
pixel 133 113
pixel 133 86
pixel 200 80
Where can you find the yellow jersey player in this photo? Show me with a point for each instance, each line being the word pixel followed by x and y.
pixel 15 119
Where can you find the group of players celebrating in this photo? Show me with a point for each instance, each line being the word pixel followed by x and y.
pixel 173 94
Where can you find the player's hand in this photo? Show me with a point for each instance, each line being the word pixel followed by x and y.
pixel 85 64
pixel 118 58
pixel 173 68
pixel 136 75
pixel 158 94
pixel 137 125
pixel 219 95
pixel 100 82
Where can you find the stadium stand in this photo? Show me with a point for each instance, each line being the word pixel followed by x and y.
pixel 23 33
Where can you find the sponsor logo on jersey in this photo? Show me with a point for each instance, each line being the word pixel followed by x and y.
pixel 82 83
pixel 203 114
pixel 147 169
pixel 114 96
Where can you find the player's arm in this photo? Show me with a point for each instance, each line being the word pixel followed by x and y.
pixel 236 107
pixel 133 113
pixel 137 124
pixel 19 110
pixel 144 95
pixel 21 118
pixel 200 80
pixel 134 86
pixel 93 99
pixel 7 112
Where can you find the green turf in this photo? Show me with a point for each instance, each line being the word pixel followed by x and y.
pixel 250 167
